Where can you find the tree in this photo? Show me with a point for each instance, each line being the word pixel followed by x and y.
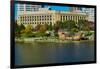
pixel 28 29
pixel 42 28
pixel 83 25
pixel 87 26
pixel 17 30
pixel 91 25
pixel 69 25
pixel 58 25
pixel 56 28
pixel 37 27
pixel 50 27
pixel 46 26
pixel 22 28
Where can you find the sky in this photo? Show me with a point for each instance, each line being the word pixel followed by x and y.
pixel 60 8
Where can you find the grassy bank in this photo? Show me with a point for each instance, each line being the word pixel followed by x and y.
pixel 41 39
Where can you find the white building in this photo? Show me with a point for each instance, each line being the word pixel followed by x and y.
pixel 27 7
pixel 75 9
pixel 90 12
pixel 23 8
pixel 36 14
pixel 48 17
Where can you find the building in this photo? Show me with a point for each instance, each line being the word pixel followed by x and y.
pixel 27 7
pixel 49 17
pixel 63 35
pixel 90 12
pixel 23 8
pixel 75 9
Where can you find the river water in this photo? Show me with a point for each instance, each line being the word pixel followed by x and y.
pixel 48 53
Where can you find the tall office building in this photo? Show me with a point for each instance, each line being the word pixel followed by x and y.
pixel 75 9
pixel 27 7
pixel 90 12
pixel 23 8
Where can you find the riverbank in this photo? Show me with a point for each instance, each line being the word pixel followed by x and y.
pixel 53 40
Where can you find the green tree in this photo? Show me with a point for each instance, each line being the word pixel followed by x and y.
pixel 91 25
pixel 69 25
pixel 17 30
pixel 50 27
pixel 81 25
pixel 87 26
pixel 58 25
pixel 22 28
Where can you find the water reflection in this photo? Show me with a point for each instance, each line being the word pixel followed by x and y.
pixel 44 53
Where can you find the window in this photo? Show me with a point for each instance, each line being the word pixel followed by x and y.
pixel 66 17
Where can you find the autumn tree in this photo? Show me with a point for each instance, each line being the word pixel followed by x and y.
pixel 28 29
pixel 37 27
pixel 42 28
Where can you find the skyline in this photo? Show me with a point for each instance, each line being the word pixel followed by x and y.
pixel 89 11
pixel 57 8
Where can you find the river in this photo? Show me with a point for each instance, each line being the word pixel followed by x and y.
pixel 48 53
